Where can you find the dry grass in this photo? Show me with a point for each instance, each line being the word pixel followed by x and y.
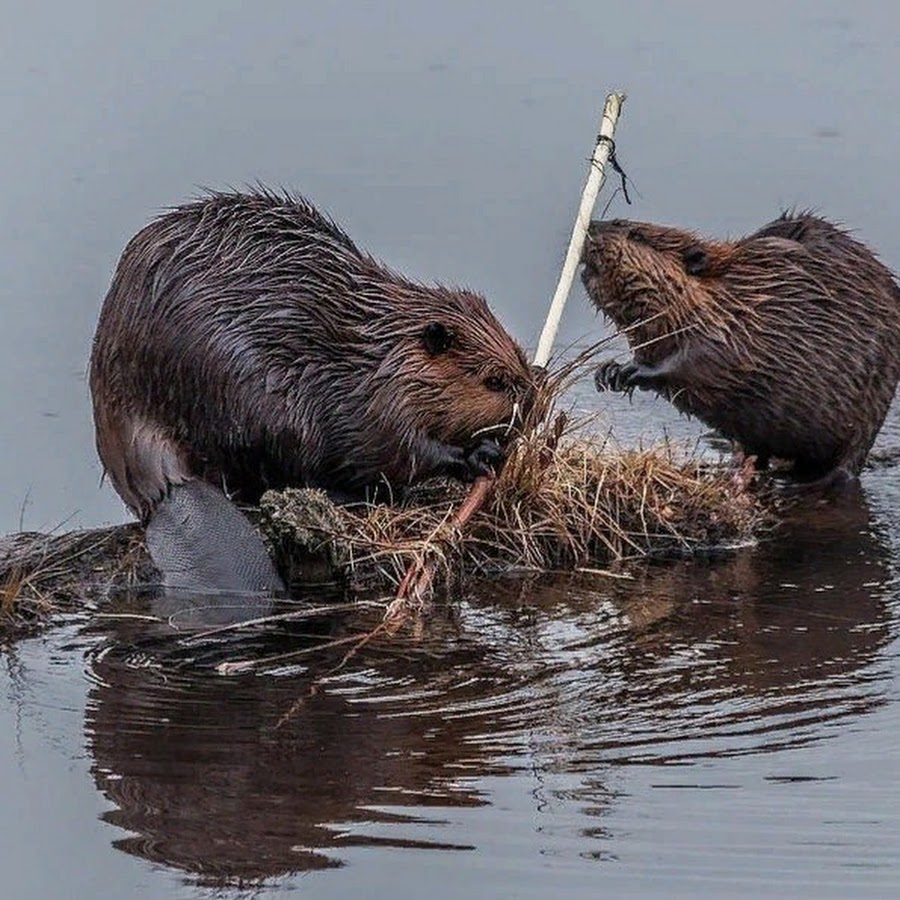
pixel 576 501
pixel 564 500
pixel 42 574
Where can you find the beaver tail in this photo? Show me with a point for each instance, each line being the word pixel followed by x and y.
pixel 200 541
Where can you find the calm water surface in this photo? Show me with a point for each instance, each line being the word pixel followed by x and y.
pixel 728 728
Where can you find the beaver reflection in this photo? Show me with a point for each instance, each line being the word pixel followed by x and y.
pixel 807 609
pixel 741 654
pixel 240 779
pixel 229 779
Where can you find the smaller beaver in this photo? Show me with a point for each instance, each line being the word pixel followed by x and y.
pixel 246 342
pixel 786 341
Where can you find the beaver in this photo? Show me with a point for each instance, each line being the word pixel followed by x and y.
pixel 786 341
pixel 247 343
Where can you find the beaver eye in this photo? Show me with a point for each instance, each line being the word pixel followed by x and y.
pixel 636 236
pixel 695 260
pixel 438 338
pixel 493 383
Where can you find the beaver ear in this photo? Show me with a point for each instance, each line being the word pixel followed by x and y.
pixel 695 260
pixel 437 338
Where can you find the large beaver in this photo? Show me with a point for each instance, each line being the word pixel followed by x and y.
pixel 786 341
pixel 247 343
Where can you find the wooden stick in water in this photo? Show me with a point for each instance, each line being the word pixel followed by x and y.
pixel 417 581
pixel 596 177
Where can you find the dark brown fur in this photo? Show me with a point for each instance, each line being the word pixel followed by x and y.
pixel 246 340
pixel 787 341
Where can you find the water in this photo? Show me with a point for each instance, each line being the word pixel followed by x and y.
pixel 724 729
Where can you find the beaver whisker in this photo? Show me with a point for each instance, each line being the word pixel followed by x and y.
pixel 639 325
pixel 662 337
pixel 513 417
pixel 503 427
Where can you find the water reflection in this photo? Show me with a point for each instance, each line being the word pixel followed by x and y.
pixel 754 653
pixel 247 777
pixel 244 778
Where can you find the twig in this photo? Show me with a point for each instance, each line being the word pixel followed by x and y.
pixel 295 616
pixel 606 573
pixel 414 588
pixel 418 579
pixel 595 179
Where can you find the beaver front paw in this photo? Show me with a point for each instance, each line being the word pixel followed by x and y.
pixel 467 464
pixel 485 459
pixel 613 376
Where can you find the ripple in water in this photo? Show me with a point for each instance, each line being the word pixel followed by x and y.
pixel 245 777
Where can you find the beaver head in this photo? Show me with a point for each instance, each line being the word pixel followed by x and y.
pixel 462 375
pixel 654 280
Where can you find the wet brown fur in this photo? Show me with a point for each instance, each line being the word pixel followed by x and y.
pixel 786 341
pixel 246 340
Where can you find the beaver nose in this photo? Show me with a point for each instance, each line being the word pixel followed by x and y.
pixel 599 227
pixel 595 233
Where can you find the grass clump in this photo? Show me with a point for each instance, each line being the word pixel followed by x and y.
pixel 564 500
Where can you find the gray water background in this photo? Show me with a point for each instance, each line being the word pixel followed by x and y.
pixel 449 140
pixel 736 745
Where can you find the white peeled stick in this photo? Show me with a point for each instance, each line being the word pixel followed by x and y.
pixel 602 149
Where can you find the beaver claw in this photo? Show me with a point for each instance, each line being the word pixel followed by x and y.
pixel 613 376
